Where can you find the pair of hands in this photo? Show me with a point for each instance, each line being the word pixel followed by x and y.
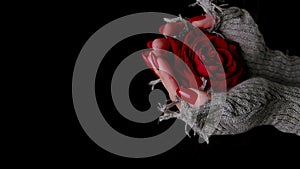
pixel 157 60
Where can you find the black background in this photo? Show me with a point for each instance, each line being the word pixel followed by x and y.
pixel 74 22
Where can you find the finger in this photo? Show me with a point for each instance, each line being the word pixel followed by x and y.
pixel 169 83
pixel 193 96
pixel 146 60
pixel 149 44
pixel 150 58
pixel 149 61
pixel 171 29
pixel 153 62
pixel 166 75
pixel 161 44
pixel 205 23
pixel 188 95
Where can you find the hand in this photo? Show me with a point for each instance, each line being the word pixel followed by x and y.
pixel 158 61
pixel 202 22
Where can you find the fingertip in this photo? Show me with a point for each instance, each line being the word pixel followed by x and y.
pixel 194 23
pixel 161 43
pixel 187 95
pixel 149 44
pixel 197 18
pixel 199 24
pixel 161 29
pixel 202 22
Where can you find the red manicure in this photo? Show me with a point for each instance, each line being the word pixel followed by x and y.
pixel 187 94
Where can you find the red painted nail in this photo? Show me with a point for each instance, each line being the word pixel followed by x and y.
pixel 187 94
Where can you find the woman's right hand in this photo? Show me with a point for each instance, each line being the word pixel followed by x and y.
pixel 201 22
pixel 158 61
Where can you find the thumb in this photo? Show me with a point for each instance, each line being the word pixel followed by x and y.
pixel 205 22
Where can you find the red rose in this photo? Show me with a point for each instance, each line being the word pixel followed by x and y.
pixel 203 60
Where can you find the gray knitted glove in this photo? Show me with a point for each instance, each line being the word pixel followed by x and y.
pixel 271 95
pixel 237 25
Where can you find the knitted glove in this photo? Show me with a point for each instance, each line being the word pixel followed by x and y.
pixel 237 25
pixel 271 95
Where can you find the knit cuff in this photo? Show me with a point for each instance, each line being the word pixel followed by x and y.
pixel 237 25
pixel 212 9
pixel 202 120
pixel 257 102
pixel 254 102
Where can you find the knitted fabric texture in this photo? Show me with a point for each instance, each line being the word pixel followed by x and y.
pixel 269 96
